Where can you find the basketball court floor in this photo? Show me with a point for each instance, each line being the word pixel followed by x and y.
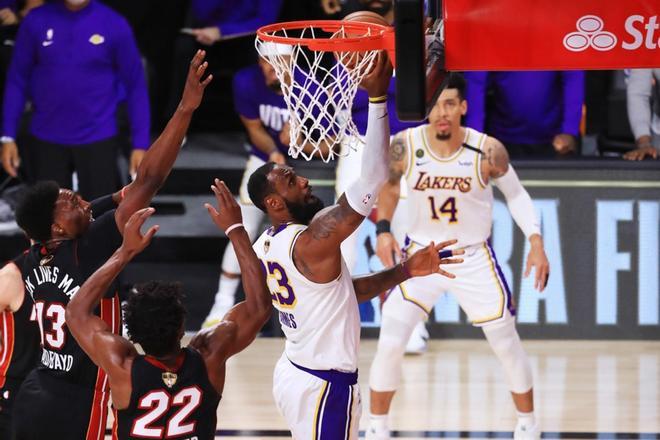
pixel 584 390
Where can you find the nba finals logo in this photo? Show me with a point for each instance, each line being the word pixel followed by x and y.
pixel 169 379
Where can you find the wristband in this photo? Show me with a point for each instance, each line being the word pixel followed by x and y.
pixel 382 226
pixel 378 99
pixel 232 227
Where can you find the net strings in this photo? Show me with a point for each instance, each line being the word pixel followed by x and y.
pixel 320 98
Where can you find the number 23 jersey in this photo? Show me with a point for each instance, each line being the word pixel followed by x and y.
pixel 321 322
pixel 447 197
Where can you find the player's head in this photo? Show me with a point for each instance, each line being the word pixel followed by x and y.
pixel 154 316
pixel 445 116
pixel 269 50
pixel 381 7
pixel 46 211
pixel 282 194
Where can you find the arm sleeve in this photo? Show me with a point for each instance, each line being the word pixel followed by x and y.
pixel 18 78
pixel 362 193
pixel 132 76
pixel 100 241
pixel 475 94
pixel 638 94
pixel 573 98
pixel 263 13
pixel 519 202
pixel 102 205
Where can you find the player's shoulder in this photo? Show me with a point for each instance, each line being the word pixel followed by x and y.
pixel 39 15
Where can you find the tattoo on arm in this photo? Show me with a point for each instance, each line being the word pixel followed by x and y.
pixel 397 158
pixel 498 159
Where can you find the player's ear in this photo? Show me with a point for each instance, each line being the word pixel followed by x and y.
pixel 464 106
pixel 273 202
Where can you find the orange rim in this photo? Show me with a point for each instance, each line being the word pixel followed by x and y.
pixel 381 38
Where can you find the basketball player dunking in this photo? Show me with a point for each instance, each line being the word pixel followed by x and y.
pixel 315 380
pixel 72 239
pixel 449 171
pixel 170 392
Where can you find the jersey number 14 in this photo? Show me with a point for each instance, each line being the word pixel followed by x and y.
pixel 448 208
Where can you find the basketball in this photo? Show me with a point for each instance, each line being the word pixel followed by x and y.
pixel 366 17
pixel 348 59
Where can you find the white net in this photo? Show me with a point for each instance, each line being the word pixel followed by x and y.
pixel 319 91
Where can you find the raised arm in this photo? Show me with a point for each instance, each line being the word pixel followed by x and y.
pixel 319 245
pixel 496 166
pixel 11 288
pixel 386 245
pixel 159 159
pixel 243 321
pixel 106 349
pixel 425 262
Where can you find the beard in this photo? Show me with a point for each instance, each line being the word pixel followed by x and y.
pixel 304 212
pixel 443 136
pixel 275 86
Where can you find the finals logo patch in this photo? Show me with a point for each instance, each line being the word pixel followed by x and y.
pixel 169 379
pixel 96 39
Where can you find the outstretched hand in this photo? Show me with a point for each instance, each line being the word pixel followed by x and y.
pixel 194 89
pixel 228 212
pixel 427 261
pixel 134 241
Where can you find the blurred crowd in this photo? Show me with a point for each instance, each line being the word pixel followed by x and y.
pixel 88 81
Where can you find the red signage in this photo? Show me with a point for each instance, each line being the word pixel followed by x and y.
pixel 551 34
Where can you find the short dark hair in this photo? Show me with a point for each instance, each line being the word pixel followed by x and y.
pixel 457 81
pixel 35 212
pixel 154 314
pixel 258 185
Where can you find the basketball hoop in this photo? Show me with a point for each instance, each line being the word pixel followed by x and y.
pixel 319 95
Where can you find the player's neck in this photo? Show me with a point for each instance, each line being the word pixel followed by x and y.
pixel 445 147
pixel 170 360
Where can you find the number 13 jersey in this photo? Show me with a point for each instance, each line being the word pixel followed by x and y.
pixel 321 322
pixel 447 196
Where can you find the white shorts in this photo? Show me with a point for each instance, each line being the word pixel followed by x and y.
pixel 251 166
pixel 479 287
pixel 317 405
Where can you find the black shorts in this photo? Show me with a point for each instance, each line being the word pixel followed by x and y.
pixel 8 394
pixel 50 408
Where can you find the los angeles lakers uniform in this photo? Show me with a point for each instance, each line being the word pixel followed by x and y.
pixel 451 201
pixel 315 381
pixel 169 403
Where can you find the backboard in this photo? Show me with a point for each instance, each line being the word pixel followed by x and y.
pixel 420 57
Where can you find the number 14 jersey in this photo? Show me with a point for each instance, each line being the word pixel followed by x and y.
pixel 447 197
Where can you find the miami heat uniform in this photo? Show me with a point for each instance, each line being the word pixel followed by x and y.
pixel 66 396
pixel 315 381
pixel 19 352
pixel 452 202
pixel 169 403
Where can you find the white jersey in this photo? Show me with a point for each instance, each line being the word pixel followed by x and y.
pixel 447 196
pixel 321 322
